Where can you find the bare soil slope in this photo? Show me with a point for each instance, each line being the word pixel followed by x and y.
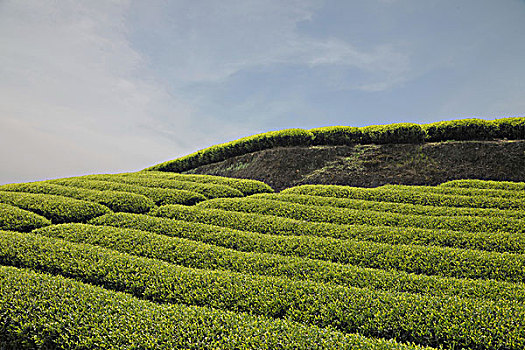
pixel 375 165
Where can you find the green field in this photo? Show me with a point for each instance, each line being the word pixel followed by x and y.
pixel 164 260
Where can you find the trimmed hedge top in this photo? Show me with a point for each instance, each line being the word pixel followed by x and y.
pixel 369 268
pixel 246 186
pixel 55 312
pixel 16 219
pixel 58 209
pixel 114 200
pixel 465 129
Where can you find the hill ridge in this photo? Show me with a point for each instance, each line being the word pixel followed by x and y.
pixel 429 163
pixel 398 133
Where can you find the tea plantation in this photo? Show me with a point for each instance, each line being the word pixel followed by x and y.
pixel 162 260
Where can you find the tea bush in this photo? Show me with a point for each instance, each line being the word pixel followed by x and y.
pixel 450 262
pixel 16 219
pixel 490 241
pixel 345 216
pixel 206 189
pixel 116 201
pixel 449 321
pixel 246 186
pixel 160 196
pixel 53 312
pixel 390 207
pixel 58 209
pixel 220 152
pixel 406 195
pixel 497 185
pixel 191 252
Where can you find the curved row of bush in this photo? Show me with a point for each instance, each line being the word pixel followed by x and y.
pixel 196 254
pixel 463 129
pixel 205 189
pixel 114 200
pixel 53 312
pixel 344 216
pixel 379 134
pixel 400 208
pixel 466 129
pixel 16 219
pixel 448 262
pixel 461 191
pixel 497 185
pixel 217 153
pixel 58 209
pixel 498 242
pixel 160 196
pixel 321 248
pixel 397 195
pixel 246 186
pixel 452 322
pixel 475 129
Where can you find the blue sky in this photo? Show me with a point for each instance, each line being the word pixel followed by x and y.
pixel 114 86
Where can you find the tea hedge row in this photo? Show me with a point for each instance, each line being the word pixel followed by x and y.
pixel 246 186
pixel 394 133
pixel 114 200
pixel 58 209
pixel 426 320
pixel 200 255
pixel 468 129
pixel 464 129
pixel 400 208
pixel 52 312
pixel 16 219
pixel 498 185
pixel 489 241
pixel 448 262
pixel 379 134
pixel 461 191
pixel 205 189
pixel 475 129
pixel 217 153
pixel 160 196
pixel 389 194
pixel 346 216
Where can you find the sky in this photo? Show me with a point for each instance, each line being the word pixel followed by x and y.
pixel 119 85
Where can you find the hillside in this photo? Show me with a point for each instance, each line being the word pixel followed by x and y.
pixel 164 260
pixel 409 154
pixel 374 165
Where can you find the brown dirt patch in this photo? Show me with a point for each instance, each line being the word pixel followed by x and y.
pixel 375 165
